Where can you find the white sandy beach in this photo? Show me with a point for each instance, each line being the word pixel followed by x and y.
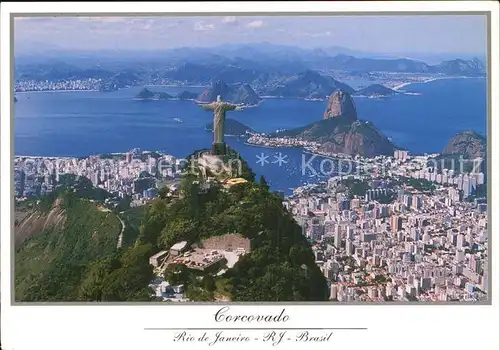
pixel 400 86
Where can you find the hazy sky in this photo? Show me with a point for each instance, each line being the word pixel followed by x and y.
pixel 389 34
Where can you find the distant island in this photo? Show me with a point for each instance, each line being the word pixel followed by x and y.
pixel 237 94
pixel 146 94
pixel 232 128
pixel 375 90
pixel 186 95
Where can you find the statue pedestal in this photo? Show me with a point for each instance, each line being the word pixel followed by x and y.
pixel 218 148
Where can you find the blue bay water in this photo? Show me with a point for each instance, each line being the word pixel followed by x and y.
pixel 84 123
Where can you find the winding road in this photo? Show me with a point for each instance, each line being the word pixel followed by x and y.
pixel 120 237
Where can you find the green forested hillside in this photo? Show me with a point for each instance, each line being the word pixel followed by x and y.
pixel 56 263
pixel 49 265
pixel 133 220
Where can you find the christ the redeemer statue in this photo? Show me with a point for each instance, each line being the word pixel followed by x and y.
pixel 219 108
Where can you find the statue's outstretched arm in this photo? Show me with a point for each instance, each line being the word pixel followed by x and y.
pixel 230 107
pixel 208 107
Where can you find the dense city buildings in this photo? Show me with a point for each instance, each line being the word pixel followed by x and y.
pixel 424 244
pixel 135 174
pixel 60 85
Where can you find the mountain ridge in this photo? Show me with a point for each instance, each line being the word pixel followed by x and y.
pixel 308 84
pixel 239 94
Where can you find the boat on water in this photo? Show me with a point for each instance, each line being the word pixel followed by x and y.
pixel 178 120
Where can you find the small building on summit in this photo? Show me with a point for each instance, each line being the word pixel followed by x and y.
pixel 178 248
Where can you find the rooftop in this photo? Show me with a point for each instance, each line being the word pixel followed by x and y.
pixel 179 245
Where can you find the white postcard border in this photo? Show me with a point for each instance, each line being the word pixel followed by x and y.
pixel 123 327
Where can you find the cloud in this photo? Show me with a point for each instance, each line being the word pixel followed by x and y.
pixel 256 24
pixel 230 20
pixel 103 19
pixel 201 27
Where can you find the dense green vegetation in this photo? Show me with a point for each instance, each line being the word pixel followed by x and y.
pixel 81 187
pixel 387 199
pixel 280 266
pixel 421 185
pixel 132 219
pixel 355 187
pixel 123 276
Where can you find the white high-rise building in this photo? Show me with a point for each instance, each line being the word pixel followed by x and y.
pixel 338 238
pixel 460 241
pixel 460 255
pixel 480 178
pixel 349 247
pixel 333 292
pixel 466 186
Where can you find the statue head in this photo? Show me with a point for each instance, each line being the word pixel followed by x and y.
pixel 218 98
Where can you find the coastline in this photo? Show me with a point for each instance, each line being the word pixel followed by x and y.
pixel 306 151
pixel 400 86
pixel 264 146
pixel 375 96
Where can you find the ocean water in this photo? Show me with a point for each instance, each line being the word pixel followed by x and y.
pixel 84 123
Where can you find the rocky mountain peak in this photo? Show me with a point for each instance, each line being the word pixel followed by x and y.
pixel 340 104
